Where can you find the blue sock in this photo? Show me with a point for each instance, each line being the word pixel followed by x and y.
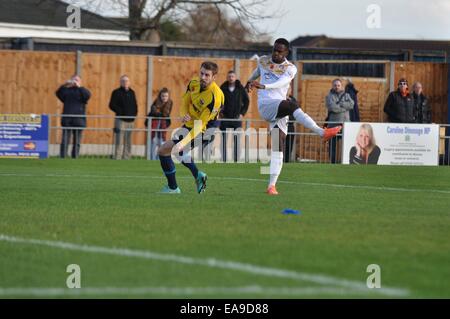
pixel 168 167
pixel 189 163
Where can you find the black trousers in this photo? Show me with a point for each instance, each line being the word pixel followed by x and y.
pixel 76 135
pixel 289 143
pixel 332 149
pixel 224 125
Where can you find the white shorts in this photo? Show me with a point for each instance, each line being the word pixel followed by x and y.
pixel 269 110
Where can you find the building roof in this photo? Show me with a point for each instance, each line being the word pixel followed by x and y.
pixel 321 41
pixel 51 13
pixel 307 41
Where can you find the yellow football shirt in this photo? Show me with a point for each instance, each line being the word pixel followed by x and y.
pixel 201 105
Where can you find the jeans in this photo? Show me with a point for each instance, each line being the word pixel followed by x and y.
pixel 157 141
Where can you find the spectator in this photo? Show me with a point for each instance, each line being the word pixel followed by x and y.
pixel 235 107
pixel 353 92
pixel 422 110
pixel 399 105
pixel 123 103
pixel 74 97
pixel 161 107
pixel 290 136
pixel 339 103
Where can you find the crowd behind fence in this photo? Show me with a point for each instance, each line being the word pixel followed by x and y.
pixel 98 141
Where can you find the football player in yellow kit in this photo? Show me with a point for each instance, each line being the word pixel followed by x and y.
pixel 201 105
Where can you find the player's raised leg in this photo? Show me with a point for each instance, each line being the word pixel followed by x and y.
pixel 287 108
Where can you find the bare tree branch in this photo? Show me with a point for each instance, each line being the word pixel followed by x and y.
pixel 145 17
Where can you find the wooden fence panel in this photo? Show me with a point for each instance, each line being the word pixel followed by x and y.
pixel 314 90
pixel 246 69
pixel 433 77
pixel 101 74
pixel 29 80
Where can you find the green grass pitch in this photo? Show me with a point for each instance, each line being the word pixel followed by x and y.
pixel 231 241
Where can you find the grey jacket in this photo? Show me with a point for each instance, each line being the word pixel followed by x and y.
pixel 339 106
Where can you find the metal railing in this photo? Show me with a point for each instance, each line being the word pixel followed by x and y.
pixel 444 144
pixel 251 143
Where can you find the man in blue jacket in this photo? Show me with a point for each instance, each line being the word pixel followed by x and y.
pixel 74 97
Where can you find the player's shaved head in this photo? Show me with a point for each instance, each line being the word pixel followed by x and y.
pixel 283 41
pixel 280 50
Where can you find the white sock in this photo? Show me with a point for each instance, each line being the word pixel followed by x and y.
pixel 276 163
pixel 304 119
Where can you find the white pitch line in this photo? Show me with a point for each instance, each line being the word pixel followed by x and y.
pixel 178 291
pixel 212 263
pixel 379 188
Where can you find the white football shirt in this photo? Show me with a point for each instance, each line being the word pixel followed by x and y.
pixel 275 77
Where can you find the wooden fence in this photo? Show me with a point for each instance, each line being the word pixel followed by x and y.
pixel 28 81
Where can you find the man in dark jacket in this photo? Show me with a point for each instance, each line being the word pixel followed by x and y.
pixel 123 103
pixel 74 97
pixel 422 110
pixel 353 92
pixel 290 136
pixel 235 107
pixel 399 105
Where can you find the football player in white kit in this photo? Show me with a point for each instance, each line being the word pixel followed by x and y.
pixel 276 74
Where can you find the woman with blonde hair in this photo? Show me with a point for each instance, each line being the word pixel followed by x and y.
pixel 365 151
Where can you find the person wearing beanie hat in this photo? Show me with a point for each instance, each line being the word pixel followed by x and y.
pixel 399 105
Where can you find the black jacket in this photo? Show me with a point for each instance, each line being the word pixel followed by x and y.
pixel 353 92
pixel 123 103
pixel 371 159
pixel 74 100
pixel 422 110
pixel 399 109
pixel 236 102
pixel 155 113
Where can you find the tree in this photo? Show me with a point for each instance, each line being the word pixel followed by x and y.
pixel 171 31
pixel 210 25
pixel 147 18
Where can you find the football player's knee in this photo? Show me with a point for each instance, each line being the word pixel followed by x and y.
pixel 164 150
pixel 293 107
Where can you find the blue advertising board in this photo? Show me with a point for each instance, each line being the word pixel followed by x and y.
pixel 23 136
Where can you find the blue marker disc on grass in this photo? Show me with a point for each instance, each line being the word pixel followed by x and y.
pixel 289 211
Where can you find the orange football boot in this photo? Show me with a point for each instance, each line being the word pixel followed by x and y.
pixel 331 132
pixel 272 190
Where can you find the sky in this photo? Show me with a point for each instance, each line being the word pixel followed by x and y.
pixel 394 19
pixel 398 19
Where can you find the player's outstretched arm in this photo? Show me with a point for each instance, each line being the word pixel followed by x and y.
pixel 204 118
pixel 256 74
pixel 284 80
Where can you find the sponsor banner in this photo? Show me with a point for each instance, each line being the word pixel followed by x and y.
pixel 390 143
pixel 23 136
